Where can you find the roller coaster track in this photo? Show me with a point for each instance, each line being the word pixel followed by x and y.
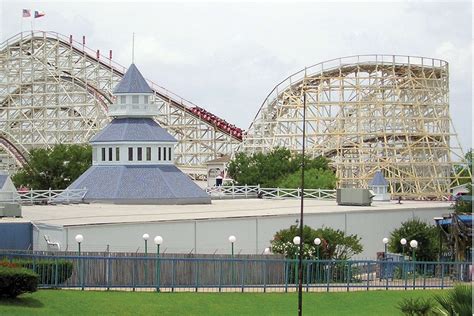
pixel 223 136
pixel 368 113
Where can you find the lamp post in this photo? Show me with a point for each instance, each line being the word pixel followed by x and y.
pixel 414 245
pixel 79 239
pixel 297 242
pixel 145 238
pixel 317 242
pixel 300 259
pixel 385 242
pixel 403 242
pixel 232 240
pixel 158 241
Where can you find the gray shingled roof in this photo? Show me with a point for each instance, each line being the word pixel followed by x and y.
pixel 152 184
pixel 133 129
pixel 378 180
pixel 3 179
pixel 133 82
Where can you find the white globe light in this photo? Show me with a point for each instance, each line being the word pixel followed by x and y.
pixel 403 241
pixel 158 240
pixel 413 244
pixel 317 241
pixel 297 240
pixel 232 238
pixel 146 236
pixel 79 238
pixel 385 240
pixel 266 251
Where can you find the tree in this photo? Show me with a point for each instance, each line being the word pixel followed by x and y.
pixel 464 170
pixel 274 168
pixel 415 229
pixel 54 168
pixel 335 243
pixel 313 179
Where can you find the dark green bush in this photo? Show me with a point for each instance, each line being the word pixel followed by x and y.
pixel 416 306
pixel 50 272
pixel 16 281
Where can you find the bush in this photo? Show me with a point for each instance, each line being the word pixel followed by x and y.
pixel 46 269
pixel 16 281
pixel 335 243
pixel 426 235
pixel 416 306
pixel 457 301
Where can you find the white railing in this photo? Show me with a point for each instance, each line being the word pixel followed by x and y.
pixel 272 193
pixel 44 196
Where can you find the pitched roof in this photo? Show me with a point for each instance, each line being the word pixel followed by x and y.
pixel 133 129
pixel 147 184
pixel 378 180
pixel 133 82
pixel 3 179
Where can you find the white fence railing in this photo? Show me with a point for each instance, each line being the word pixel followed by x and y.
pixel 273 193
pixel 43 196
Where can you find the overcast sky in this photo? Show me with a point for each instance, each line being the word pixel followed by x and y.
pixel 226 57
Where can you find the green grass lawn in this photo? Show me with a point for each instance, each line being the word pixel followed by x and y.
pixel 70 302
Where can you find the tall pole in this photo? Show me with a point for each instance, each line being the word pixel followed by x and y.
pixel 232 252
pixel 300 259
pixel 146 261
pixel 81 277
pixel 158 267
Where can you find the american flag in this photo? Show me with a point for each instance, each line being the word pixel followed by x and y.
pixel 39 14
pixel 26 13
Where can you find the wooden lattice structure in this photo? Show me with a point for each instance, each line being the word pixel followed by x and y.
pixel 56 90
pixel 368 113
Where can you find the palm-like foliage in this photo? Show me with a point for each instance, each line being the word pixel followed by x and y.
pixel 416 306
pixel 457 302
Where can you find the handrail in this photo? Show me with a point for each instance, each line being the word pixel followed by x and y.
pixel 44 196
pixel 271 193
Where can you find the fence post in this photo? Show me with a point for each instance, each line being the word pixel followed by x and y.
pixel 442 275
pixel 424 276
pixel 220 275
pixel 265 276
pixel 286 275
pixel 56 272
pixel 368 275
pixel 196 269
pixel 327 277
pixel 348 274
pixel 172 274
pixel 243 275
pixel 133 272
pixel 308 265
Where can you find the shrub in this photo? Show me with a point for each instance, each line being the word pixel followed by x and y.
pixel 457 301
pixel 16 281
pixel 335 243
pixel 416 306
pixel 426 235
pixel 46 269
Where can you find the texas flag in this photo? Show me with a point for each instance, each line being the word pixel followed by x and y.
pixel 26 13
pixel 39 14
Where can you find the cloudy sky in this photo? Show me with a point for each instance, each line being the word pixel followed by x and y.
pixel 226 57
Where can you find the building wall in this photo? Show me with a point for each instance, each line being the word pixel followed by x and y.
pixel 16 236
pixel 253 233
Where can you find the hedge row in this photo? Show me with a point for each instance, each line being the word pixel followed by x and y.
pixel 50 272
pixel 16 281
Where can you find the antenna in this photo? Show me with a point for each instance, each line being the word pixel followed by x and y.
pixel 133 48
